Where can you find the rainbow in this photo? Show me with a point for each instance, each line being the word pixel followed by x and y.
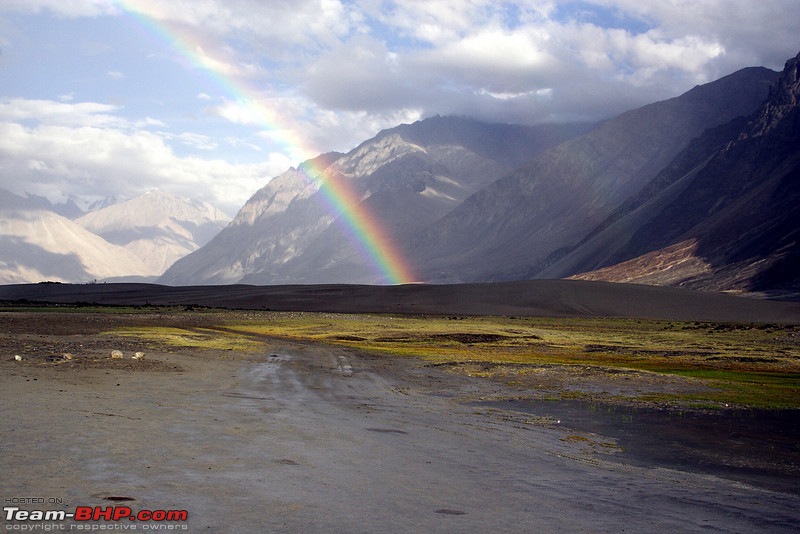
pixel 364 228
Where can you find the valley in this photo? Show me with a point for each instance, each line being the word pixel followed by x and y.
pixel 332 421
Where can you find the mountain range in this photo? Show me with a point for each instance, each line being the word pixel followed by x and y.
pixel 157 227
pixel 725 215
pixel 133 240
pixel 409 177
pixel 697 191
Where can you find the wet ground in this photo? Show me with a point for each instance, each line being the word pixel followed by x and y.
pixel 759 447
pixel 309 438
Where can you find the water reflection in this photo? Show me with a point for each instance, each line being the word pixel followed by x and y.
pixel 759 447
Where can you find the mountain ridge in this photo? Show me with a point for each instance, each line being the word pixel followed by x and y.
pixel 287 232
pixel 158 227
pixel 132 240
pixel 38 244
pixel 450 195
pixel 506 231
pixel 698 191
pixel 736 217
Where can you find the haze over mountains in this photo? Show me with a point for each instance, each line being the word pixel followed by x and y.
pixel 699 191
pixel 515 227
pixel 157 227
pixel 133 240
pixel 725 215
pixel 37 244
pixel 409 177
pixel 704 183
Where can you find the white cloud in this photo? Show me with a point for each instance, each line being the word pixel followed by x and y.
pixel 237 112
pixel 290 80
pixel 198 141
pixel 84 157
pixel 149 122
pixel 437 22
pixel 458 55
pixel 51 112
pixel 273 29
pixel 748 32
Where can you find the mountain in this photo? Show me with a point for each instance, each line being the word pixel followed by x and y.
pixel 68 209
pixel 294 230
pixel 100 204
pixel 725 215
pixel 157 227
pixel 699 190
pixel 519 224
pixel 37 244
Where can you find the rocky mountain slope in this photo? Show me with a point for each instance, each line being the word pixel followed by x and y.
pixel 37 244
pixel 157 227
pixel 513 228
pixel 724 215
pixel 292 231
pixel 469 202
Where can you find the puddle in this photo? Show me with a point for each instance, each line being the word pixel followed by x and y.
pixel 758 447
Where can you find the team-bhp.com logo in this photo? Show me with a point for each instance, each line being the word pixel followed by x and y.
pixel 88 518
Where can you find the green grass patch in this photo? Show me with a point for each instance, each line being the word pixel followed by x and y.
pixel 194 338
pixel 745 364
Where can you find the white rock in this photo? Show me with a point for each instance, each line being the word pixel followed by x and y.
pixel 116 354
pixel 18 357
pixel 138 356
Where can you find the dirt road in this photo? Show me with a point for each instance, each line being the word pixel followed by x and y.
pixel 313 439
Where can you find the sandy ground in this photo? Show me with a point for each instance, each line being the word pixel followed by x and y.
pixel 305 438
pixel 548 298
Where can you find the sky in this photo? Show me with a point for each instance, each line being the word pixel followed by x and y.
pixel 209 99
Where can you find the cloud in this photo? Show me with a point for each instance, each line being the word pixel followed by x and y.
pixel 64 113
pixel 149 122
pixel 235 111
pixel 593 59
pixel 359 75
pixel 198 141
pixel 276 30
pixel 451 56
pixel 70 153
pixel 289 80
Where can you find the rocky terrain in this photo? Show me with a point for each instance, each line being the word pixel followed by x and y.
pixel 294 231
pixel 723 215
pixel 664 192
